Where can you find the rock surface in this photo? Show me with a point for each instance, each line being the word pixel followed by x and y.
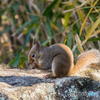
pixel 16 84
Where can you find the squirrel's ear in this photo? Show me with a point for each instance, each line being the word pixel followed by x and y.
pixel 37 45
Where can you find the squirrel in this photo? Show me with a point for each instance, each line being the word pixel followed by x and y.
pixel 59 59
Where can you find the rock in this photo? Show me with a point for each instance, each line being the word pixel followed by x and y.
pixel 16 84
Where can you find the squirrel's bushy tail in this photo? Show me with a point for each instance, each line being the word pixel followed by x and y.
pixel 85 59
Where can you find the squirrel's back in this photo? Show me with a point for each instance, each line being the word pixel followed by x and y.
pixel 60 48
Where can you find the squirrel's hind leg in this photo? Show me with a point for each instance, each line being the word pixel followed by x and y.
pixel 60 66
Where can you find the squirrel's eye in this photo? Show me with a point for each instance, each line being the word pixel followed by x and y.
pixel 33 55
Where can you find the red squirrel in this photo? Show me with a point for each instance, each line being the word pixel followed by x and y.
pixel 59 59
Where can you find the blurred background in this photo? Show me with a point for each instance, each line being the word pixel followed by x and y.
pixel 75 23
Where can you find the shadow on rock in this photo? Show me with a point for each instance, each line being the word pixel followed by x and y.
pixel 23 80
